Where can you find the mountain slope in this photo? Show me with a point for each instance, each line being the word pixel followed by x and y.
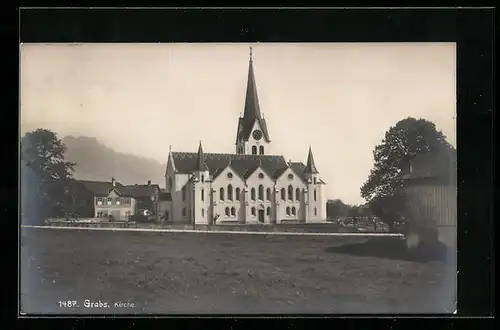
pixel 95 161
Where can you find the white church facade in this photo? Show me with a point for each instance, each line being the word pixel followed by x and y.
pixel 245 187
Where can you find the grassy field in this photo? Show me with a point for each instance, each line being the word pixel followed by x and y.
pixel 194 273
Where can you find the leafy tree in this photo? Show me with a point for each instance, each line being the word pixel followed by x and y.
pixel 45 176
pixel 336 208
pixel 382 189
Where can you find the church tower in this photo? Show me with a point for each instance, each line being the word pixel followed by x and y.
pixel 315 210
pixel 252 136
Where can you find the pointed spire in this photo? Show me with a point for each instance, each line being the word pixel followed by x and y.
pixel 200 159
pixel 251 112
pixel 252 109
pixel 310 167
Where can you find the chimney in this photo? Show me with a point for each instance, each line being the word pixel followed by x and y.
pixel 149 182
pixel 113 182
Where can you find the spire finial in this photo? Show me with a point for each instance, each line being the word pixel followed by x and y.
pixel 250 53
pixel 170 148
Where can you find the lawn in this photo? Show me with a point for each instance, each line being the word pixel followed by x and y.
pixel 197 273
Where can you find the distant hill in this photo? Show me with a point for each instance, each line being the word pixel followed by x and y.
pixel 95 161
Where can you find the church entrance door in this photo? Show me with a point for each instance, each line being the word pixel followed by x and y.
pixel 261 216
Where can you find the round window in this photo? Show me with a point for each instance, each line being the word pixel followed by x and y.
pixel 261 176
pixel 229 175
pixel 290 176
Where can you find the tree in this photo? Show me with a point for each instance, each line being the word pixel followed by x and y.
pixel 45 176
pixel 382 188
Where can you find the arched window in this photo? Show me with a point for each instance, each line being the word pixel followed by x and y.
pixel 202 178
pixel 253 211
pixel 261 150
pixel 237 194
pixel 230 192
pixel 290 193
pixel 184 193
pixel 203 195
pixel 297 194
pixel 283 193
pixel 268 211
pixel 268 194
pixel 202 213
pixel 252 194
pixel 315 211
pixel 233 211
pixel 254 150
pixel 314 194
pixel 221 194
pixel 227 211
pixel 288 210
pixel 294 211
pixel 261 192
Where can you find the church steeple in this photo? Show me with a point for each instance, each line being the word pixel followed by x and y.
pixel 252 108
pixel 310 167
pixel 200 160
pixel 251 113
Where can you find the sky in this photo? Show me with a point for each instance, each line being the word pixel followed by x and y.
pixel 340 99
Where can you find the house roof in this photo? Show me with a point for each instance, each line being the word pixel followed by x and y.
pixel 243 165
pixel 103 188
pixel 432 164
pixel 142 190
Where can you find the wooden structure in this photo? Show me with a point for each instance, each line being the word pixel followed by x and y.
pixel 430 190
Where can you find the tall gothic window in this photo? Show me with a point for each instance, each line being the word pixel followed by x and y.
pixel 294 211
pixel 261 192
pixel 237 194
pixel 314 194
pixel 290 193
pixel 254 150
pixel 261 150
pixel 230 192
pixel 233 211
pixel 227 211
pixel 283 194
pixel 297 194
pixel 252 194
pixel 203 195
pixel 268 194
pixel 221 194
pixel 288 210
pixel 268 211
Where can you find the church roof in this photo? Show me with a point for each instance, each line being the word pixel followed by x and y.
pixel 252 109
pixel 243 165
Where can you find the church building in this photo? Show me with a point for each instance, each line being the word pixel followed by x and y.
pixel 245 187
